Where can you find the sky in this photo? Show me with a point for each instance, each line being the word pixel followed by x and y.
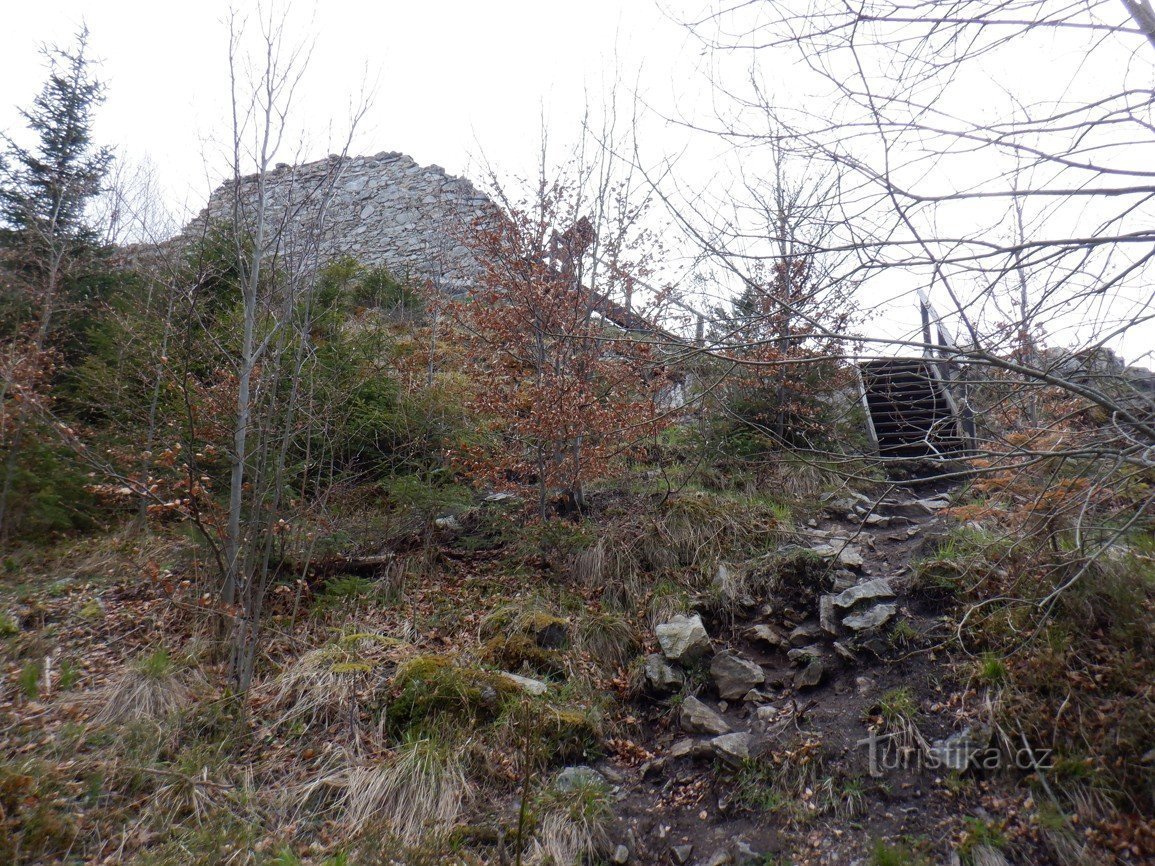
pixel 456 83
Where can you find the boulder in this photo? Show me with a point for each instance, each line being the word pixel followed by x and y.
pixel 661 676
pixel 734 676
pixel 697 718
pixel 683 639
pixel 871 618
pixel 871 590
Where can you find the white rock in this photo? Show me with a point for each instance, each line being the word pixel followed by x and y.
pixel 527 685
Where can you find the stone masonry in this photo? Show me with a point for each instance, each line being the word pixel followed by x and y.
pixel 383 210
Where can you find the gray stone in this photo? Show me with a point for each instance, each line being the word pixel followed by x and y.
pixel 621 854
pixel 732 749
pixel 810 676
pixel 579 776
pixel 769 635
pixel 933 505
pixel 806 654
pixel 499 498
pixel 844 652
pixel 408 218
pixel 682 853
pixel 872 590
pixel 826 616
pixel 447 524
pixel 661 676
pixel 734 676
pixel 697 718
pixel 526 684
pixel 719 858
pixel 683 639
pixel 687 748
pixel 844 579
pixel 741 854
pixel 850 556
pixel 846 554
pixel 871 618
pixel 864 686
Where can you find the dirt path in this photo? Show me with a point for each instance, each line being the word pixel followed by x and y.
pixel 783 771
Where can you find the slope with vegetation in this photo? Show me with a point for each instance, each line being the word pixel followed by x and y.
pixel 313 565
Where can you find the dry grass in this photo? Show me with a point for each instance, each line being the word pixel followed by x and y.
pixel 608 638
pixel 321 686
pixel 417 794
pixel 573 826
pixel 150 689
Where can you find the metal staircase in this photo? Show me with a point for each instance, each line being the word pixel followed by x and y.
pixel 910 410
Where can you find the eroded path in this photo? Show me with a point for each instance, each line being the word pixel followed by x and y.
pixel 764 754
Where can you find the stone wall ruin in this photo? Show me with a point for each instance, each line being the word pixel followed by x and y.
pixel 383 210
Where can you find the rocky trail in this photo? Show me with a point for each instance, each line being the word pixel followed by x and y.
pixel 795 688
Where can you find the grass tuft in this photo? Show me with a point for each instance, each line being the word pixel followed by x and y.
pixel 150 689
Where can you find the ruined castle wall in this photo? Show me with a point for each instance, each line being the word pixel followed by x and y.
pixel 383 210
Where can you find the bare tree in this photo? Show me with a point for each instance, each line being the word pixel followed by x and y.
pixel 275 245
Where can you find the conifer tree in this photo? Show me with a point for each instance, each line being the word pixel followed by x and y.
pixel 45 188
pixel 47 250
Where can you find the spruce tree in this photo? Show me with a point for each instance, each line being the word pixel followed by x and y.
pixel 45 188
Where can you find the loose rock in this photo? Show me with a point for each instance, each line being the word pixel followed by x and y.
pixel 810 676
pixel 526 684
pixel 661 676
pixel 735 676
pixel 769 635
pixel 697 718
pixel 683 639
pixel 732 749
pixel 826 616
pixel 871 618
pixel 872 590
pixel 805 634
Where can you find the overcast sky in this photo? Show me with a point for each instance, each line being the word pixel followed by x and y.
pixel 455 79
pixel 455 82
